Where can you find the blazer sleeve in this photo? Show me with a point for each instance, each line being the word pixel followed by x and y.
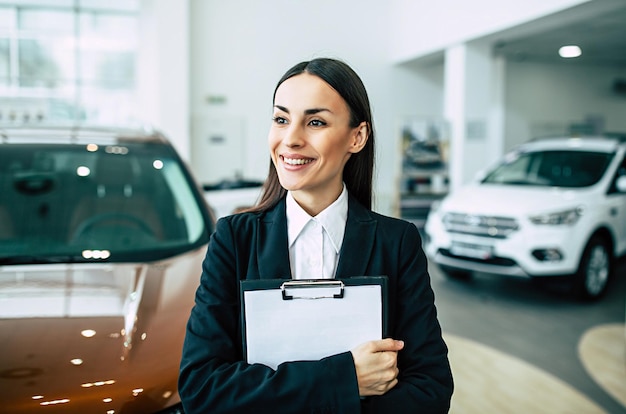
pixel 425 382
pixel 214 378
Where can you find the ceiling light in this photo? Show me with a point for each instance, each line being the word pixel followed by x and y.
pixel 570 51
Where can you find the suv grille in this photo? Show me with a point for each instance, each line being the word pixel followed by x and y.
pixel 476 225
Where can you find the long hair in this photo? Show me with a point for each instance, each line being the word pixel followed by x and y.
pixel 358 171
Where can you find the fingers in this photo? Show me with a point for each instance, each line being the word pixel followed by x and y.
pixel 376 366
pixel 387 344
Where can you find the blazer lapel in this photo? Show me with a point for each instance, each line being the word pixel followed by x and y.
pixel 358 241
pixel 272 244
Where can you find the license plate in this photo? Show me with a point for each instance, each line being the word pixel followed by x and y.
pixel 475 251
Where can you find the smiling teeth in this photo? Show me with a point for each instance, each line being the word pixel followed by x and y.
pixel 297 161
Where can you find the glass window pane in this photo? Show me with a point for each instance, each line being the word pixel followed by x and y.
pixel 110 70
pixel 45 63
pixel 110 26
pixel 108 48
pixel 5 65
pixel 121 5
pixel 44 3
pixel 58 21
pixel 7 20
pixel 109 106
pixel 81 52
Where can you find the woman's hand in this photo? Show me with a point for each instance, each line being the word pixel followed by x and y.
pixel 376 366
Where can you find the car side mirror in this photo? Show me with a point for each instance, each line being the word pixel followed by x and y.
pixel 620 184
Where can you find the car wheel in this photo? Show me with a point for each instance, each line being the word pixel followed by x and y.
pixel 594 271
pixel 452 273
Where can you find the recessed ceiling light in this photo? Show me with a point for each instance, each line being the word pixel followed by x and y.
pixel 570 51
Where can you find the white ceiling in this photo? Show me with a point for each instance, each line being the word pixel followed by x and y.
pixel 598 27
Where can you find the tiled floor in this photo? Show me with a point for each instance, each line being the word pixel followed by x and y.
pixel 511 386
pixel 517 348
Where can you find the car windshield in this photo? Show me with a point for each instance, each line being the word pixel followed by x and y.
pixel 551 168
pixel 127 202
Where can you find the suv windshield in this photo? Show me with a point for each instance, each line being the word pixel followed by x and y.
pixel 129 201
pixel 551 168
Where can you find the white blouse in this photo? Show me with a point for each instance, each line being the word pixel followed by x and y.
pixel 315 242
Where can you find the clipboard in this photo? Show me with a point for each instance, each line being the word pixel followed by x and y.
pixel 303 320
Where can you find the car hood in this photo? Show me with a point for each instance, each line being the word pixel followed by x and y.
pixel 94 338
pixel 507 200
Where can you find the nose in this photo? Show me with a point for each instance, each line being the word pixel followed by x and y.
pixel 293 137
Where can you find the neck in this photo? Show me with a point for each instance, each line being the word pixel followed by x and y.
pixel 314 203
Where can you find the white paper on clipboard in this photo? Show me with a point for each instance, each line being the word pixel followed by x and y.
pixel 310 320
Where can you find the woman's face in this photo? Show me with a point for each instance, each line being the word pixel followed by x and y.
pixel 311 140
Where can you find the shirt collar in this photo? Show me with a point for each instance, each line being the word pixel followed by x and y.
pixel 332 218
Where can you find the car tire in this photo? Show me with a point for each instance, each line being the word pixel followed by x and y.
pixel 594 271
pixel 456 274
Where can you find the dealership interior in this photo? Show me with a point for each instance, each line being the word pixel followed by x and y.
pixel 454 87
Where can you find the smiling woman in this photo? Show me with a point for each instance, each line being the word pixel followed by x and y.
pixel 314 221
pixel 344 88
pixel 310 145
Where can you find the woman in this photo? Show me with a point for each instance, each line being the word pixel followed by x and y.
pixel 314 220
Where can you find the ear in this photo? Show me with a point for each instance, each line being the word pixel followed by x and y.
pixel 360 134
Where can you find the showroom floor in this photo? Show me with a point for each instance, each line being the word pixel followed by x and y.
pixel 517 348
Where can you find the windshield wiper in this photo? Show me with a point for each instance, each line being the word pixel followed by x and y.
pixel 31 259
pixel 515 182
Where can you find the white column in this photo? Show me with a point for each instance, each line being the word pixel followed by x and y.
pixel 454 110
pixel 474 106
pixel 163 70
pixel 497 109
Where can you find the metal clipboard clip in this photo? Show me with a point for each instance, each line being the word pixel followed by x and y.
pixel 312 289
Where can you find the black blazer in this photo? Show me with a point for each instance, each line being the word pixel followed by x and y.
pixel 214 377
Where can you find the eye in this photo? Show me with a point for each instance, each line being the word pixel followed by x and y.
pixel 279 120
pixel 317 123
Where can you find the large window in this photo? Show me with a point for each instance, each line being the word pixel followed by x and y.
pixel 63 61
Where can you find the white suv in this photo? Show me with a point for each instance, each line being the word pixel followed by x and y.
pixel 553 207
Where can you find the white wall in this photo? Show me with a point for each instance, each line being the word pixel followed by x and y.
pixel 418 91
pixel 548 98
pixel 239 50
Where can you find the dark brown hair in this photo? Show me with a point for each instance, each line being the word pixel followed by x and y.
pixel 359 169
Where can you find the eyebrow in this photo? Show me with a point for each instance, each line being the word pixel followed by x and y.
pixel 311 111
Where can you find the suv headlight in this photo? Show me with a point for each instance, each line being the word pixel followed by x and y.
pixel 568 217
